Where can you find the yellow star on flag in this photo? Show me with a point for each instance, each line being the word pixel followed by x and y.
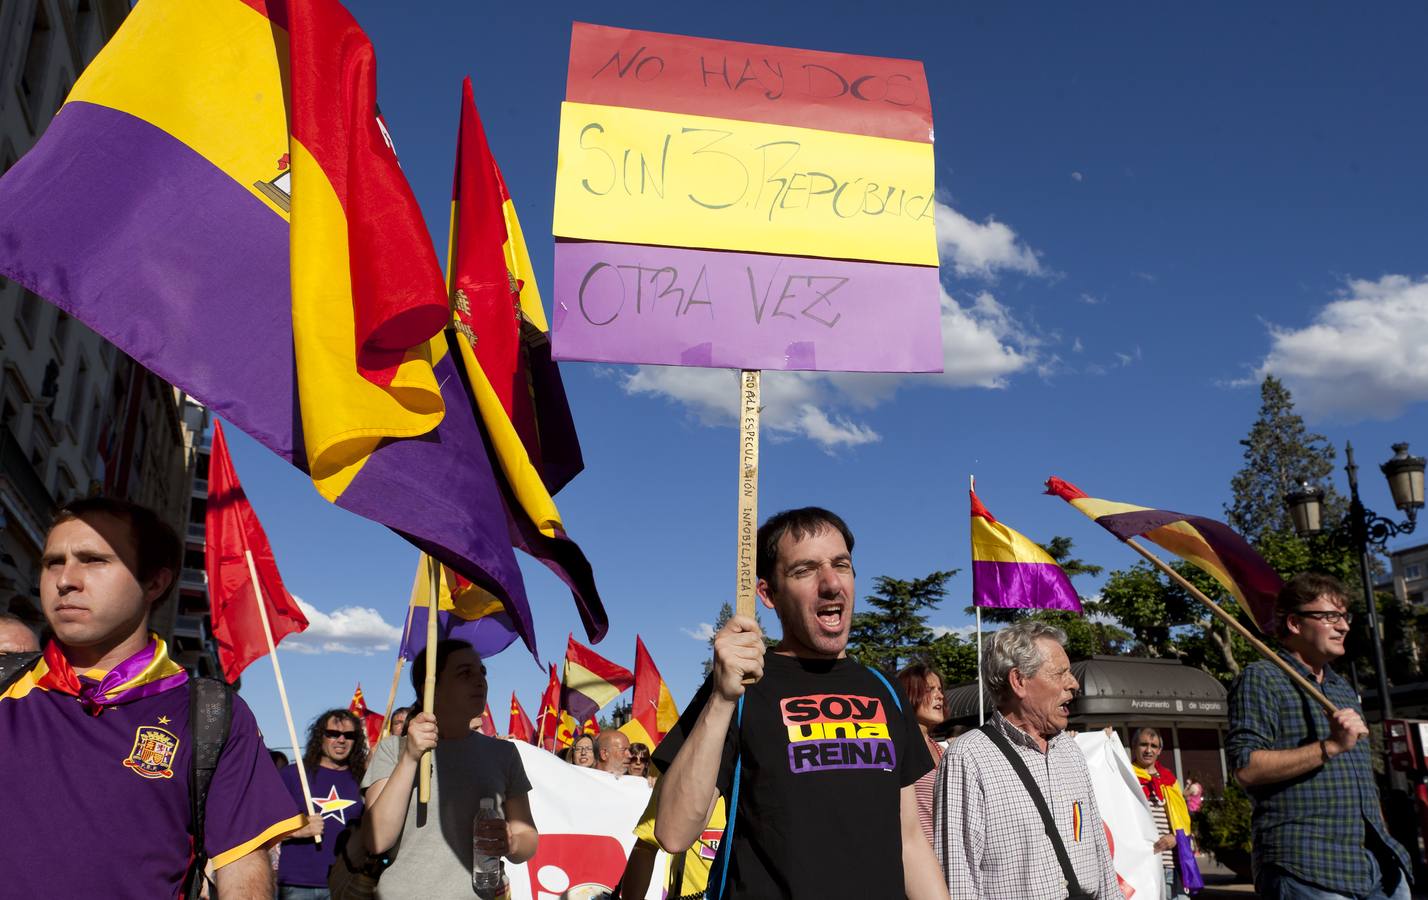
pixel 332 806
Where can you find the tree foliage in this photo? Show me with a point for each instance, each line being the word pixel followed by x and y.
pixel 894 631
pixel 1278 453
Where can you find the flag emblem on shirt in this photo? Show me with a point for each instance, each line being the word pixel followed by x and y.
pixel 1076 821
pixel 153 753
pixel 332 806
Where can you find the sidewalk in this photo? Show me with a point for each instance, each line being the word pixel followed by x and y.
pixel 1220 882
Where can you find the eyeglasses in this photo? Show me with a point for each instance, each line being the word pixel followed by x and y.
pixel 339 735
pixel 1327 616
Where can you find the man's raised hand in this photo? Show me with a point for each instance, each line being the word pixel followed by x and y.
pixel 738 656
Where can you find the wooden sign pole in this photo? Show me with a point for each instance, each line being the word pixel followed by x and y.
pixel 747 579
pixel 428 694
pixel 282 690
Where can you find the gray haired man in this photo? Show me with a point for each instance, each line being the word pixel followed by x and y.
pixel 991 838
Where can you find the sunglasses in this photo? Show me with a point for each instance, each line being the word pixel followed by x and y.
pixel 339 735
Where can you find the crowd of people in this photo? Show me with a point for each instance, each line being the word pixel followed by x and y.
pixel 783 758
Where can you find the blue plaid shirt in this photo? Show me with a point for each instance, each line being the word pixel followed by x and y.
pixel 1314 826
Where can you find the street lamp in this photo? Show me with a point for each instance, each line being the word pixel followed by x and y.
pixel 1361 529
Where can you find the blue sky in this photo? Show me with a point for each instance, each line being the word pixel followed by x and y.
pixel 1142 208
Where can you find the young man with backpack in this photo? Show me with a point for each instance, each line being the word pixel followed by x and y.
pixel 817 758
pixel 131 775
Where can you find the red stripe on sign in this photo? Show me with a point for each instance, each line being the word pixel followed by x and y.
pixel 726 79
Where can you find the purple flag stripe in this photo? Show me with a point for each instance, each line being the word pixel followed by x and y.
pixel 488 635
pixel 580 706
pixel 1022 586
pixel 108 215
pixel 631 303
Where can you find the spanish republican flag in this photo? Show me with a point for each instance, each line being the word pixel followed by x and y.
pixel 520 726
pixel 1011 571
pixel 371 721
pixel 219 197
pixel 548 719
pixel 504 352
pixel 465 612
pixel 1205 543
pixel 231 532
pixel 591 681
pixel 652 712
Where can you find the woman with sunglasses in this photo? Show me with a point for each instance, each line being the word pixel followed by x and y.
pixel 335 760
pixel 640 762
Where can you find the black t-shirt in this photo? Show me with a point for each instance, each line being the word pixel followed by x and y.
pixel 826 752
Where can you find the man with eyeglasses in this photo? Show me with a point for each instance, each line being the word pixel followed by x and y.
pixel 335 760
pixel 1318 829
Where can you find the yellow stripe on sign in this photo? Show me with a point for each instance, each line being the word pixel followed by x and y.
pixel 643 177
pixel 344 416
pixel 207 73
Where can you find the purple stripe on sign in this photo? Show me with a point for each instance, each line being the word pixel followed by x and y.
pixel 1015 585
pixel 108 216
pixel 851 753
pixel 630 303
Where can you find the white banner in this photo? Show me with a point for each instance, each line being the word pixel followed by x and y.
pixel 586 820
pixel 1125 812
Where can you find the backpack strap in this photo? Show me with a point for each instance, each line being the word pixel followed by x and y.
pixel 13 667
pixel 726 842
pixel 887 684
pixel 210 719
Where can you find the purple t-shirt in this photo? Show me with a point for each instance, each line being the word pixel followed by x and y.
pixel 98 806
pixel 337 798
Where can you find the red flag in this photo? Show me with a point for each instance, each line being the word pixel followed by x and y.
pixel 520 726
pixel 231 530
pixel 653 705
pixel 549 715
pixel 488 723
pixel 591 727
pixel 371 721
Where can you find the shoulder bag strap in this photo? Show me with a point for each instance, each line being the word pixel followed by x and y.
pixel 210 718
pixel 1019 766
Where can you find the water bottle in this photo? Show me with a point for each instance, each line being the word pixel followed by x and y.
pixel 488 875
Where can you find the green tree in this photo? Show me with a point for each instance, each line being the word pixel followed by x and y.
pixel 1278 453
pixel 895 630
pixel 1088 633
pixel 954 657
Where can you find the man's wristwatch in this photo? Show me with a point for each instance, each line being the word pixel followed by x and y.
pixel 1324 752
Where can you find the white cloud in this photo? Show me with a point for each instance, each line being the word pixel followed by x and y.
pixel 981 249
pixel 347 629
pixel 1092 300
pixel 1077 176
pixel 1362 356
pixel 1077 346
pixel 983 346
pixel 703 633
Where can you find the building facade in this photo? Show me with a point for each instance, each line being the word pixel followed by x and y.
pixel 77 416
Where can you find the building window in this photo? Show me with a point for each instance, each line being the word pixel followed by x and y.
pixel 1413 571
pixel 74 409
pixel 29 315
pixel 37 57
pixel 61 333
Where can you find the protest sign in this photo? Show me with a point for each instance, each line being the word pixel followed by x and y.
pixel 735 205
pixel 1124 810
pixel 587 820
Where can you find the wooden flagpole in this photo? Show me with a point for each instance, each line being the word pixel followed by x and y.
pixel 396 678
pixel 428 694
pixel 747 578
pixel 1264 649
pixel 282 690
